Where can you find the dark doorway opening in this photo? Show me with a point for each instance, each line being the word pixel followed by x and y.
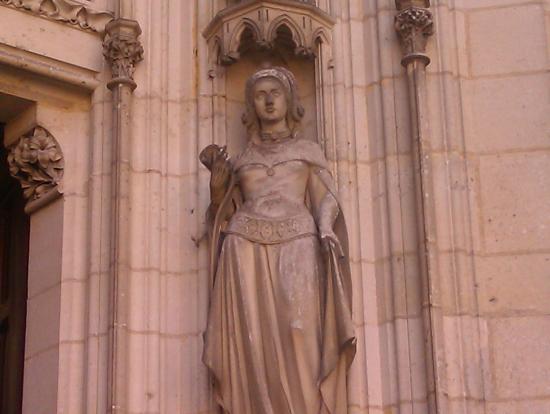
pixel 14 257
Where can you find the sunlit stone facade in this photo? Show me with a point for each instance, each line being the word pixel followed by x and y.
pixel 434 119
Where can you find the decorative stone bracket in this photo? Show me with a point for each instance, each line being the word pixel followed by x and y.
pixel 303 22
pixel 123 51
pixel 37 162
pixel 414 25
pixel 64 11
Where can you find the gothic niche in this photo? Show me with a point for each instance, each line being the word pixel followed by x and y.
pixel 247 35
pixel 36 161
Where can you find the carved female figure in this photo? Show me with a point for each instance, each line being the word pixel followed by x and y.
pixel 279 338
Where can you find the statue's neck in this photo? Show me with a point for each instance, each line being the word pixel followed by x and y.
pixel 275 136
pixel 274 131
pixel 273 127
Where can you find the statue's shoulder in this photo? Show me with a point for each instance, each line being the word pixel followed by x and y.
pixel 246 156
pixel 310 151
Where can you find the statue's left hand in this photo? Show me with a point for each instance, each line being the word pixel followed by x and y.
pixel 330 240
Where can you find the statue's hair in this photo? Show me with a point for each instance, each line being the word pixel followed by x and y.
pixel 288 81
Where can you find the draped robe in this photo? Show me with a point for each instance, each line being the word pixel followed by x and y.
pixel 279 338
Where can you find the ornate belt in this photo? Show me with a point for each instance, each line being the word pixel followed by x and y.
pixel 271 231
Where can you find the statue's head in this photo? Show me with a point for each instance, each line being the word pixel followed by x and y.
pixel 271 95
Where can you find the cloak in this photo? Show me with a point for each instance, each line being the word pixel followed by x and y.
pixel 338 336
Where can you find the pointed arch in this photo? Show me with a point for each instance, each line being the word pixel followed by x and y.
pixel 215 49
pixel 239 29
pixel 298 35
pixel 321 35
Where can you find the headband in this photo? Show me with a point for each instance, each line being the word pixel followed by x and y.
pixel 281 74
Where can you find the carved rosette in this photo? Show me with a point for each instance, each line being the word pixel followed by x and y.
pixel 414 25
pixel 65 11
pixel 299 24
pixel 36 161
pixel 123 51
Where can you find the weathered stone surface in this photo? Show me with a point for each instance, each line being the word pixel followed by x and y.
pixel 524 101
pixel 507 40
pixel 500 278
pixel 519 367
pixel 513 203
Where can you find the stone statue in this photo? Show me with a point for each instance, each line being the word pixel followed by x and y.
pixel 280 337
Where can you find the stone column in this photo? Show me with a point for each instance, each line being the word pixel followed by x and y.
pixel 414 26
pixel 123 51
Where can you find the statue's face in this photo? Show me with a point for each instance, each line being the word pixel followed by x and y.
pixel 270 100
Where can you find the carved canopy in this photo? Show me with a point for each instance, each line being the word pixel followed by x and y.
pixel 298 24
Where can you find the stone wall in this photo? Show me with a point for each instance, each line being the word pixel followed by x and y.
pixel 489 85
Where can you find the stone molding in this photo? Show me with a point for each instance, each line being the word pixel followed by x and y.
pixel 48 67
pixel 64 11
pixel 414 25
pixel 123 51
pixel 297 1
pixel 307 24
pixel 37 162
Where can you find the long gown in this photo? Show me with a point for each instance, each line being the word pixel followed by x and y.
pixel 279 338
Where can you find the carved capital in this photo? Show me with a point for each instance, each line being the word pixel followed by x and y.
pixel 414 25
pixel 36 161
pixel 123 51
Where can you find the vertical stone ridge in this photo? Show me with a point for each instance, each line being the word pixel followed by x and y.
pixel 207 130
pixel 123 51
pixel 414 25
pixel 397 361
pixel 458 331
pixel 146 175
pixel 347 88
pixel 167 294
pixel 98 323
pixel 382 352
